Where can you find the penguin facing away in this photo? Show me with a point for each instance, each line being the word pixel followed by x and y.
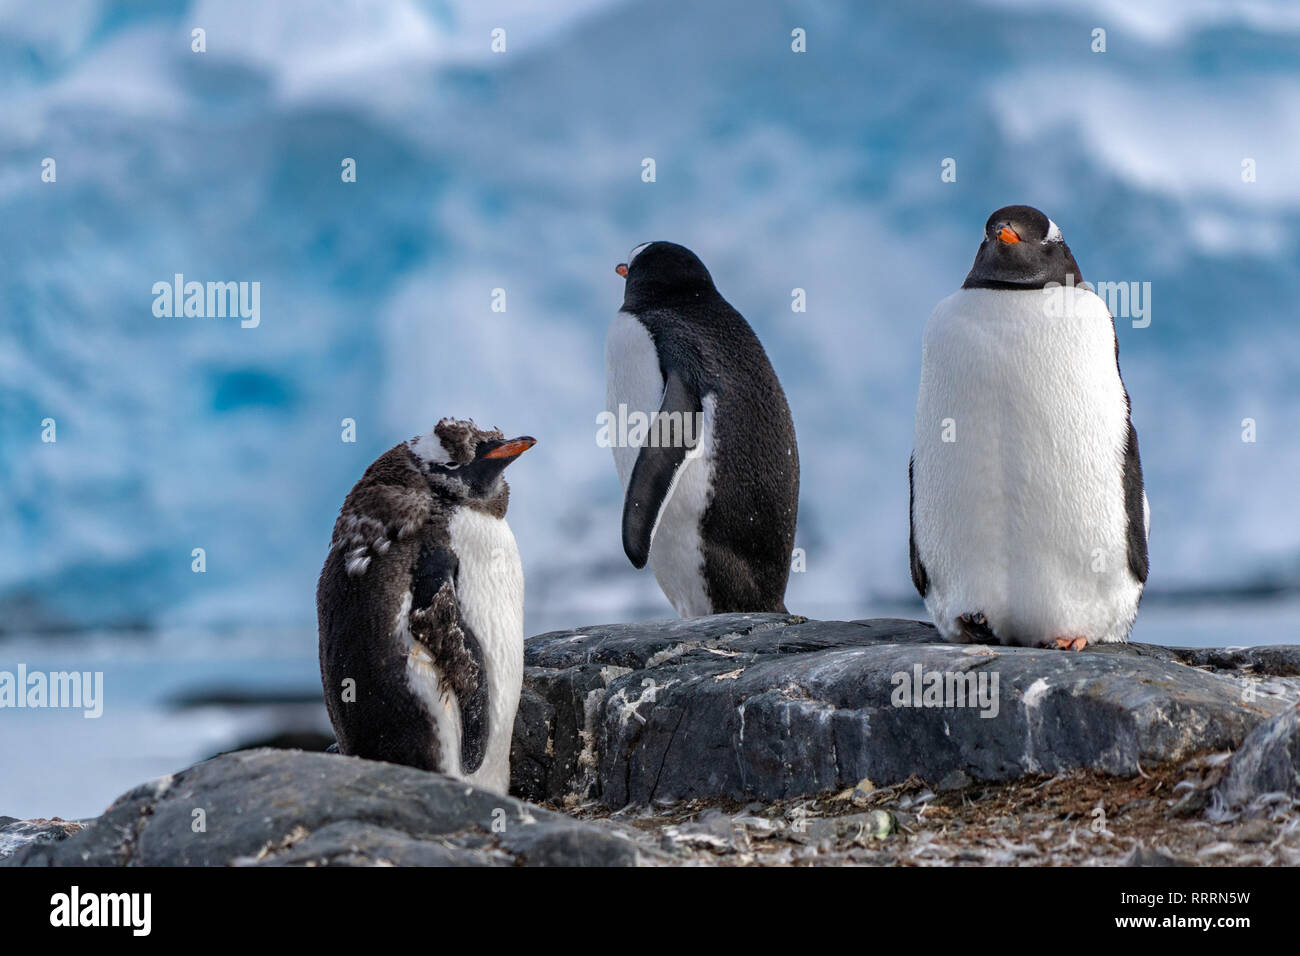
pixel 1028 515
pixel 420 608
pixel 711 507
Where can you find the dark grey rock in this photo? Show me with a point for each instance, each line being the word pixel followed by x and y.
pixel 773 706
pixel 349 843
pixel 563 842
pixel 1268 762
pixel 1279 660
pixel 953 780
pixel 1144 856
pixel 277 807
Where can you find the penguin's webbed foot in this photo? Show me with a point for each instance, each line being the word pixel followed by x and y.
pixel 1067 643
pixel 974 627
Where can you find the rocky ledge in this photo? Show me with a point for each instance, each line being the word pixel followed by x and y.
pixel 281 808
pixel 771 707
pixel 772 739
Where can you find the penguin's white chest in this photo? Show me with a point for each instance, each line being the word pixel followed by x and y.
pixel 1021 426
pixel 635 384
pixel 490 582
pixel 490 596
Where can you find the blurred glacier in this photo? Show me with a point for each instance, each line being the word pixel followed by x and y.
pixel 521 171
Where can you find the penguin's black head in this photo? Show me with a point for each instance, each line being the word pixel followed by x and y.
pixel 1022 249
pixel 464 462
pixel 658 272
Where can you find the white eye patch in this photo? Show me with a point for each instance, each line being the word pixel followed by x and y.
pixel 636 252
pixel 429 447
pixel 1053 232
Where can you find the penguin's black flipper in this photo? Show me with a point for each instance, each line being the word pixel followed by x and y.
pixel 1135 507
pixel 919 578
pixel 656 465
pixel 436 622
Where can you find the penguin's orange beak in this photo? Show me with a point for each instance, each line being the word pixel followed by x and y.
pixel 621 269
pixel 512 448
pixel 1008 235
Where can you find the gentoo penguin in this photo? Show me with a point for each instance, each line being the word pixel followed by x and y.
pixel 1029 520
pixel 421 608
pixel 711 488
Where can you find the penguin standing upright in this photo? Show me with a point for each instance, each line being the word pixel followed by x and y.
pixel 1029 519
pixel 421 608
pixel 711 489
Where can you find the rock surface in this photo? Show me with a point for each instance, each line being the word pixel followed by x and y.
pixel 274 808
pixel 773 740
pixel 15 834
pixel 771 707
pixel 1267 764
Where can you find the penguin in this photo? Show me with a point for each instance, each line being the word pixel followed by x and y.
pixel 1029 519
pixel 420 607
pixel 711 488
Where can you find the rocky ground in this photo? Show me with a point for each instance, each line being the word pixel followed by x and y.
pixel 772 740
pixel 289 808
pixel 1082 818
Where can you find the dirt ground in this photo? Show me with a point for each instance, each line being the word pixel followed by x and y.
pixel 1166 816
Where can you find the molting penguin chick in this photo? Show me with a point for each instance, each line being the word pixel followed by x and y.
pixel 1028 515
pixel 421 608
pixel 711 488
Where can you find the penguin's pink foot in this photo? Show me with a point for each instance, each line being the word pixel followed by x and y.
pixel 1068 643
